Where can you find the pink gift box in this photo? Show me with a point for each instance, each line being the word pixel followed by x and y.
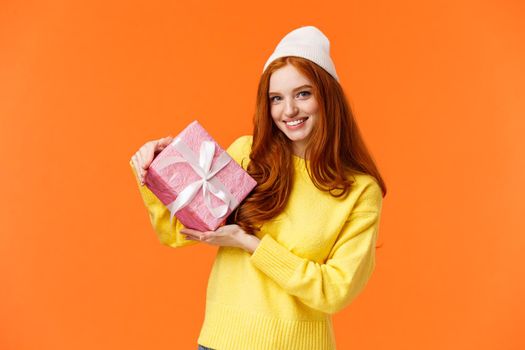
pixel 197 180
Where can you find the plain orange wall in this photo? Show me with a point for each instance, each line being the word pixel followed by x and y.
pixel 438 91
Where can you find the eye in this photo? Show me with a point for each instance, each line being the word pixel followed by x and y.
pixel 272 98
pixel 307 93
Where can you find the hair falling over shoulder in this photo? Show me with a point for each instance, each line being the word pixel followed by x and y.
pixel 335 149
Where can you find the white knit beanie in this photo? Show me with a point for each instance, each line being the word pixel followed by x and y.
pixel 306 42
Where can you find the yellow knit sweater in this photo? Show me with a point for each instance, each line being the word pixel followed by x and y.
pixel 312 261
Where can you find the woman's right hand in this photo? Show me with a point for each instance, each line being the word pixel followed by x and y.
pixel 145 155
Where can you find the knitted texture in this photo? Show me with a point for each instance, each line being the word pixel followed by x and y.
pixel 312 261
pixel 306 42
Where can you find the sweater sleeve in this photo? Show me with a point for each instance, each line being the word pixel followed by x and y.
pixel 333 285
pixel 167 232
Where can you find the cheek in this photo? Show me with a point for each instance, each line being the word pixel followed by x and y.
pixel 313 108
pixel 274 112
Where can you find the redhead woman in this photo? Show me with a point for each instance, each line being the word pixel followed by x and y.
pixel 301 246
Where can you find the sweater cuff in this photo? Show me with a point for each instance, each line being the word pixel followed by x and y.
pixel 275 260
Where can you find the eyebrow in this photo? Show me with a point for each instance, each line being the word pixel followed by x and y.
pixel 297 88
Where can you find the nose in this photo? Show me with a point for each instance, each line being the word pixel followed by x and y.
pixel 290 109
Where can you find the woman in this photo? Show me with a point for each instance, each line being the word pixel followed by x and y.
pixel 301 246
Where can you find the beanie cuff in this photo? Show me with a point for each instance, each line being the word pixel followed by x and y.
pixel 310 54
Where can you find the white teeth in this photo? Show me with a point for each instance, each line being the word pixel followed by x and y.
pixel 296 122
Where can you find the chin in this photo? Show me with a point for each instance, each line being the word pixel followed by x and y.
pixel 297 139
pixel 297 136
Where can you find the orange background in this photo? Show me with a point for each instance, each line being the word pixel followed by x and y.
pixel 438 91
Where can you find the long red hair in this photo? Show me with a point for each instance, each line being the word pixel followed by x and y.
pixel 335 148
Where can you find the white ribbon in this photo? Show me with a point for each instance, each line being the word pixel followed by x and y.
pixel 203 167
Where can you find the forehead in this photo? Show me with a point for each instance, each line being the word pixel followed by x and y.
pixel 286 79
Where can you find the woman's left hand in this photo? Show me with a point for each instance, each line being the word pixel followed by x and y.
pixel 228 235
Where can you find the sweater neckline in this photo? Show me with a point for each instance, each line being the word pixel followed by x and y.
pixel 298 158
pixel 299 163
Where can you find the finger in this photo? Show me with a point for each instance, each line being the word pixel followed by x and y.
pixel 192 236
pixel 143 158
pixel 163 142
pixel 146 156
pixel 193 233
pixel 190 231
pixel 135 167
pixel 139 169
pixel 134 161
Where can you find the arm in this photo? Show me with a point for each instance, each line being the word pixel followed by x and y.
pixel 331 286
pixel 167 232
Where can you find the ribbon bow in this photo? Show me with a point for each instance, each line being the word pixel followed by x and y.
pixel 206 171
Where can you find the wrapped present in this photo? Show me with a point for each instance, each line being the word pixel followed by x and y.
pixel 197 180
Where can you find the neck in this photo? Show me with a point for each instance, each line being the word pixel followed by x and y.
pixel 298 150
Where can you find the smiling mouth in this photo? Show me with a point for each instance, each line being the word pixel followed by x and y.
pixel 296 121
